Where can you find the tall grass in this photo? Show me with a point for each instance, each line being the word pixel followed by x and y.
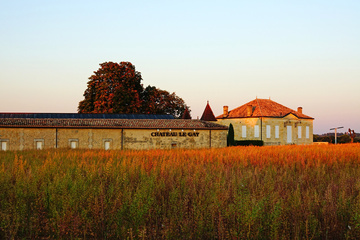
pixel 285 192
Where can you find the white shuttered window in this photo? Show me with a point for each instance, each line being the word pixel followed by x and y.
pixel 39 145
pixel 299 131
pixel 243 131
pixel 73 144
pixel 307 131
pixel 289 134
pixel 3 146
pixel 268 131
pixel 276 131
pixel 256 131
pixel 107 145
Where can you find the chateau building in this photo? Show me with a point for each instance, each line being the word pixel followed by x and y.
pixel 260 119
pixel 269 121
pixel 19 131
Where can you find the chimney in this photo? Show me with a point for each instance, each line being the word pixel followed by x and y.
pixel 225 111
pixel 248 110
pixel 299 110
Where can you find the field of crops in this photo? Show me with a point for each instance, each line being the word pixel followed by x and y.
pixel 284 192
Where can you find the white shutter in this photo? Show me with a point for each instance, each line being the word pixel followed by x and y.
pixel 73 144
pixel 268 131
pixel 276 131
pixel 3 146
pixel 299 131
pixel 243 131
pixel 289 134
pixel 107 145
pixel 307 131
pixel 256 130
pixel 39 145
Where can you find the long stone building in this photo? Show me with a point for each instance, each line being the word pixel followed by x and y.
pixel 269 121
pixel 19 131
pixel 260 119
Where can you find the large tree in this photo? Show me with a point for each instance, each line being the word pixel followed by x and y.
pixel 114 88
pixel 117 88
pixel 159 101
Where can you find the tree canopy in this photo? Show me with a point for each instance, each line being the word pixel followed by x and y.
pixel 117 88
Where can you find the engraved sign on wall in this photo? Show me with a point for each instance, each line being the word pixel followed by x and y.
pixel 175 134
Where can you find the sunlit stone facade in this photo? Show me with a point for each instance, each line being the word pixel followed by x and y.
pixel 266 120
pixel 109 134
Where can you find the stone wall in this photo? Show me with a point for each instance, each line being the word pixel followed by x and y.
pixel 117 139
pixel 89 138
pixel 166 139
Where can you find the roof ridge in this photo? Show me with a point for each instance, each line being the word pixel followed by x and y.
pixel 110 123
pixel 259 107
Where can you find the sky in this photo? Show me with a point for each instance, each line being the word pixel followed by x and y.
pixel 297 53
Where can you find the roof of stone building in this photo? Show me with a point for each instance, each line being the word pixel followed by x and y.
pixel 109 123
pixel 208 114
pixel 263 108
pixel 86 115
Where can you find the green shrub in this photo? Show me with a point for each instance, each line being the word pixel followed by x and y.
pixel 249 143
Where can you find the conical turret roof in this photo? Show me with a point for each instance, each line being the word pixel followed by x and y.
pixel 208 114
pixel 186 114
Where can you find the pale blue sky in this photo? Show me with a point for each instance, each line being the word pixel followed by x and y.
pixel 299 53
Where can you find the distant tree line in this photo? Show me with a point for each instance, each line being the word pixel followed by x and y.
pixel 330 138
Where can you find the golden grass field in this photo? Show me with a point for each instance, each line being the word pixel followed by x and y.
pixel 282 192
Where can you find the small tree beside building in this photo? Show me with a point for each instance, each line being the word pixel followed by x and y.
pixel 230 136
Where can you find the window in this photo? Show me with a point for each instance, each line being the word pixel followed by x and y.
pixel 307 131
pixel 74 143
pixel 268 131
pixel 243 131
pixel 289 134
pixel 107 145
pixel 299 131
pixel 4 145
pixel 39 144
pixel 276 131
pixel 256 131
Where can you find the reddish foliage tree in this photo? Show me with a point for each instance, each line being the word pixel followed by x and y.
pixel 352 135
pixel 117 88
pixel 114 88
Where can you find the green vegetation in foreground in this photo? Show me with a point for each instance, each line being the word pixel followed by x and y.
pixel 287 192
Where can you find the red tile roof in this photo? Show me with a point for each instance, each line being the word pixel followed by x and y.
pixel 86 115
pixel 263 108
pixel 109 123
pixel 208 114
